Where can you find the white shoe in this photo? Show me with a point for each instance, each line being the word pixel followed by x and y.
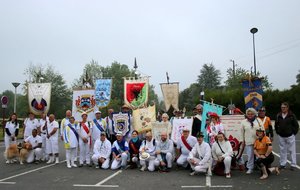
pixel 249 171
pixel 143 168
pixel 7 161
pixel 192 173
pixel 74 165
pixel 68 164
pixel 228 175
pixel 56 160
pixel 50 160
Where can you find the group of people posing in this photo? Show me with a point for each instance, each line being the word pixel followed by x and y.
pixel 98 145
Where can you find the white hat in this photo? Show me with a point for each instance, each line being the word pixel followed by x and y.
pixel 84 113
pixel 97 111
pixel 144 156
pixel 119 133
pixel 185 129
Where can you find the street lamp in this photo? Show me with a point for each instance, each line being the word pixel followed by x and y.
pixel 202 95
pixel 15 84
pixel 253 31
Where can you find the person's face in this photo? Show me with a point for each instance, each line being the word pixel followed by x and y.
pixel 84 117
pixel 220 137
pixel 34 133
pixel 13 117
pixel 134 135
pixel 199 111
pixel 214 120
pixel 185 134
pixel 148 137
pixel 200 139
pixel 284 108
pixel 260 134
pixel 31 116
pixel 119 137
pixel 207 121
pixel 261 113
pixel 163 136
pixel 51 118
pixel 72 120
pixel 98 115
pixel 165 118
pixel 68 114
pixel 110 111
pixel 250 115
pixel 102 137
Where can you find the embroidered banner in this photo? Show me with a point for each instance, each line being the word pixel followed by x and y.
pixel 39 95
pixel 178 125
pixel 143 117
pixel 158 128
pixel 84 101
pixel 121 123
pixel 136 92
pixel 103 92
pixel 253 93
pixel 171 95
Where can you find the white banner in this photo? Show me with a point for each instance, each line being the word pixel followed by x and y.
pixel 158 128
pixel 171 95
pixel 84 101
pixel 178 125
pixel 143 117
pixel 39 96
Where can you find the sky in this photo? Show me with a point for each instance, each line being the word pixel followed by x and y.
pixel 173 36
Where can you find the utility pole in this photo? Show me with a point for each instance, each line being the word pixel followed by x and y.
pixel 233 68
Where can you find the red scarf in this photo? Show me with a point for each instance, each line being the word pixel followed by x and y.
pixel 186 144
pixel 86 129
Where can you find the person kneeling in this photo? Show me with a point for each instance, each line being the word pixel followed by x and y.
pixel 120 152
pixel 264 155
pixel 35 149
pixel 164 153
pixel 200 156
pixel 102 151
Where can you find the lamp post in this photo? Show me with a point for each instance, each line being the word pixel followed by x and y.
pixel 15 84
pixel 253 31
pixel 202 95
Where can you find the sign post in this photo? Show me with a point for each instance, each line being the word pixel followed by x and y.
pixel 4 102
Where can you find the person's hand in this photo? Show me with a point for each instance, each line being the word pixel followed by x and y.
pixel 62 138
pixel 262 156
pixel 48 136
pixel 158 152
pixel 162 163
pixel 85 140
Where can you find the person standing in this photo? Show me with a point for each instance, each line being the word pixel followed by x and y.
pixel 11 131
pixel 99 126
pixel 165 119
pixel 287 126
pixel 30 123
pixel 52 140
pixel 43 125
pixel 214 128
pixel 266 121
pixel 64 122
pixel 197 120
pixel 85 140
pixel 109 125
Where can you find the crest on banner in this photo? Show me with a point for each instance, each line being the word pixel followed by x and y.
pixel 103 92
pixel 170 93
pixel 84 101
pixel 121 123
pixel 136 92
pixel 143 117
pixel 178 125
pixel 39 95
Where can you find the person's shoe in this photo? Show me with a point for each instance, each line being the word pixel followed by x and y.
pixel 143 168
pixel 264 177
pixel 50 160
pixel 97 166
pixel 249 171
pixel 37 162
pixel 7 162
pixel 80 165
pixel 228 175
pixel 56 160
pixel 74 165
pixel 192 173
pixel 281 167
pixel 69 165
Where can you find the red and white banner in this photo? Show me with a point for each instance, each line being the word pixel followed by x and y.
pixel 39 96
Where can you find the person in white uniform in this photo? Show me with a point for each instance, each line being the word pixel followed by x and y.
pixel 120 152
pixel 85 140
pixel 200 156
pixel 184 146
pixel 52 140
pixel 165 148
pixel 43 124
pixel 148 146
pixel 35 153
pixel 102 152
pixel 64 122
pixel 11 131
pixel 30 123
pixel 71 137
pixel 99 125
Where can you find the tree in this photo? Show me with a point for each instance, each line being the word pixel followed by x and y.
pixel 209 78
pixel 298 78
pixel 61 96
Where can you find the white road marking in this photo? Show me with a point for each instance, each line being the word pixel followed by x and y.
pixel 208 184
pixel 298 167
pixel 101 182
pixel 208 181
pixel 10 183
pixel 30 171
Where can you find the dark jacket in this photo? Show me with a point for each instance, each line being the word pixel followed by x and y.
pixel 196 128
pixel 288 126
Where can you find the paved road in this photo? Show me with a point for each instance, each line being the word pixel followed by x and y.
pixel 43 176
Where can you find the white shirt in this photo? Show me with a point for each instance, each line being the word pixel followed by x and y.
pixel 51 126
pixel 190 140
pixel 34 141
pixel 201 151
pixel 70 138
pixel 12 128
pixel 217 152
pixel 102 148
pixel 249 132
pixel 96 131
pixel 63 124
pixel 149 147
pixel 81 130
pixel 165 147
pixel 30 125
pixel 42 123
pixel 109 125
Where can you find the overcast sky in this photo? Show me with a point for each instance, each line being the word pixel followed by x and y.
pixel 164 35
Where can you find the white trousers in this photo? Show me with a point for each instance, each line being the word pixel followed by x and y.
pixel 105 164
pixel 250 154
pixel 287 145
pixel 52 145
pixel 198 168
pixel 70 154
pixel 151 161
pixel 84 152
pixel 169 159
pixel 118 163
pixel 8 141
pixel 35 154
pixel 44 147
pixel 182 160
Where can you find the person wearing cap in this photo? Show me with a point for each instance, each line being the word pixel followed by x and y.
pixel 164 152
pixel 109 126
pixel 120 152
pixel 197 121
pixel 99 125
pixel 266 121
pixel 85 140
pixel 71 138
pixel 249 126
pixel 64 122
pixel 200 156
pixel 52 140
pixel 184 146
pixel 263 153
pixel 134 146
pixel 222 155
pixel 148 147
pixel 214 128
pixel 287 127
pixel 102 151
pixel 29 124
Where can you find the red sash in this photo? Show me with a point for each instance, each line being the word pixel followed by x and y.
pixel 135 150
pixel 186 144
pixel 87 130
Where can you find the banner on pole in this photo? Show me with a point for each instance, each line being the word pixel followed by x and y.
pixel 39 96
pixel 178 125
pixel 253 93
pixel 158 128
pixel 121 123
pixel 136 92
pixel 170 93
pixel 143 117
pixel 103 92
